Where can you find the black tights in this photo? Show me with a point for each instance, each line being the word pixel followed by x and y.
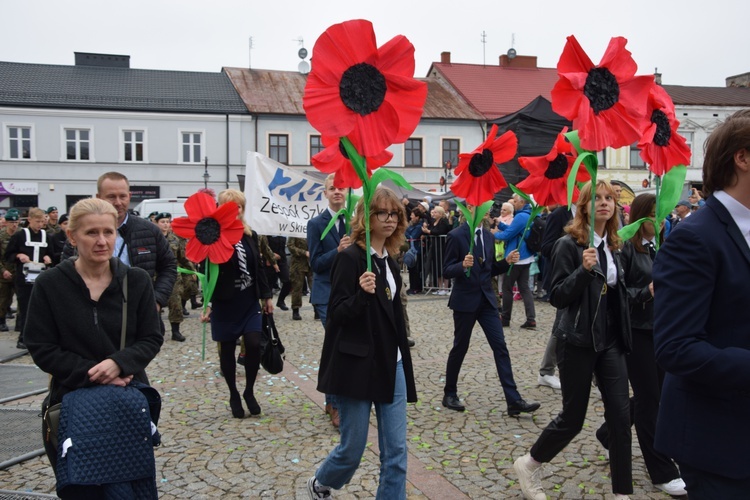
pixel 228 362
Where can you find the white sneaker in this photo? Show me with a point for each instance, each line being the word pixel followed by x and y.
pixel 620 496
pixel 529 475
pixel 315 490
pixel 443 292
pixel 676 487
pixel 549 381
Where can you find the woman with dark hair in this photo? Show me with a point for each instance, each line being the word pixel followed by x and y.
pixel 436 248
pixel 366 359
pixel 235 310
pixel 646 377
pixel 593 336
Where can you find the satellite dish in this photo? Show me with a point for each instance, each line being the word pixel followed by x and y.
pixel 304 67
pixel 511 53
pixel 302 53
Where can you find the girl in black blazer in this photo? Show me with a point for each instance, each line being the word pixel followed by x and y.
pixel 365 359
pixel 235 310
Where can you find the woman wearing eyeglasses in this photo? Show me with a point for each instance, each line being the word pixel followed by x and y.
pixel 365 359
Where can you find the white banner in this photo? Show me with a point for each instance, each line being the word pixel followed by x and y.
pixel 280 200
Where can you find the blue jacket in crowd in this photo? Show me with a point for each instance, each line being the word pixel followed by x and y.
pixel 511 234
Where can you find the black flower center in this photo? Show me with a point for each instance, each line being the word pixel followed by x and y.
pixel 481 162
pixel 602 89
pixel 207 230
pixel 663 130
pixel 342 150
pixel 362 88
pixel 557 167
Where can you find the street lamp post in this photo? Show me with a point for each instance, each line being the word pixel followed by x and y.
pixel 206 175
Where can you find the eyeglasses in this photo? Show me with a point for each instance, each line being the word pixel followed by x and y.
pixel 383 215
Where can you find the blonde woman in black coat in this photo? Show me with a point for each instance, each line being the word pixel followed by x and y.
pixel 365 359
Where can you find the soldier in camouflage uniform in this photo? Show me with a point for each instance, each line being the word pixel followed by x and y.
pixel 298 271
pixel 53 226
pixel 176 244
pixel 6 271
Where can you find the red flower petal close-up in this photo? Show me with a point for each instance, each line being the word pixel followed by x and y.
pixel 478 175
pixel 661 146
pixel 211 231
pixel 334 159
pixel 548 174
pixel 606 103
pixel 356 85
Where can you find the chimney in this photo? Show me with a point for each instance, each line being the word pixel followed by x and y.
pixel 657 76
pixel 102 60
pixel 742 80
pixel 445 57
pixel 526 62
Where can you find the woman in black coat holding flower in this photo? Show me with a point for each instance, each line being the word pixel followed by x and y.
pixel 235 310
pixel 366 359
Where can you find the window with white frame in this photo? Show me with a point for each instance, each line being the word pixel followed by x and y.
pixel 132 144
pixel 316 146
pixel 450 152
pixel 192 145
pixel 636 162
pixel 77 144
pixel 278 148
pixel 19 143
pixel 413 152
pixel 689 137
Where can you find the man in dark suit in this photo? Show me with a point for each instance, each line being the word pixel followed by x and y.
pixel 702 325
pixel 472 300
pixel 322 253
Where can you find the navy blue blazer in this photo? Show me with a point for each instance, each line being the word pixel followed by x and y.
pixel 322 254
pixel 702 340
pixel 467 293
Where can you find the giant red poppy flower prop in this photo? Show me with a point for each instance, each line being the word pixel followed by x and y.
pixel 211 232
pixel 606 103
pixel 356 85
pixel 335 159
pixel 548 174
pixel 478 176
pixel 661 146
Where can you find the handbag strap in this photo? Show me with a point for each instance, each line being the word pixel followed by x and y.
pixel 124 311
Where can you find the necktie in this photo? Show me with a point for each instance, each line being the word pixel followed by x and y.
pixel 479 245
pixel 380 263
pixel 602 258
pixel 603 264
pixel 342 226
pixel 651 250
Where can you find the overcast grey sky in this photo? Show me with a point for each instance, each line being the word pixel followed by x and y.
pixel 692 42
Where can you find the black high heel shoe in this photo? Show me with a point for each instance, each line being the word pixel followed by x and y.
pixel 251 402
pixel 235 403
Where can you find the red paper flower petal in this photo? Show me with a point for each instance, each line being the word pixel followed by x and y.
pixel 195 251
pixel 354 85
pixel 606 102
pixel 199 206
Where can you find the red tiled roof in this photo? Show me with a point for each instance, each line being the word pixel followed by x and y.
pixel 497 91
pixel 280 92
pixel 709 96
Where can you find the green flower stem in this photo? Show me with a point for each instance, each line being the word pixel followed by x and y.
pixel 588 158
pixel 208 284
pixel 535 211
pixel 657 222
pixel 358 162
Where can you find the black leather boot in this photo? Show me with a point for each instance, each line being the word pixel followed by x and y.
pixel 176 335
pixel 295 314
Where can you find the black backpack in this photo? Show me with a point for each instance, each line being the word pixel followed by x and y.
pixel 536 235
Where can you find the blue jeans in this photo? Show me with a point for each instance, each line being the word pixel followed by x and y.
pixel 341 464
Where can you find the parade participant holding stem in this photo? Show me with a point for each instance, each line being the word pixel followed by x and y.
pixel 593 337
pixel 366 359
